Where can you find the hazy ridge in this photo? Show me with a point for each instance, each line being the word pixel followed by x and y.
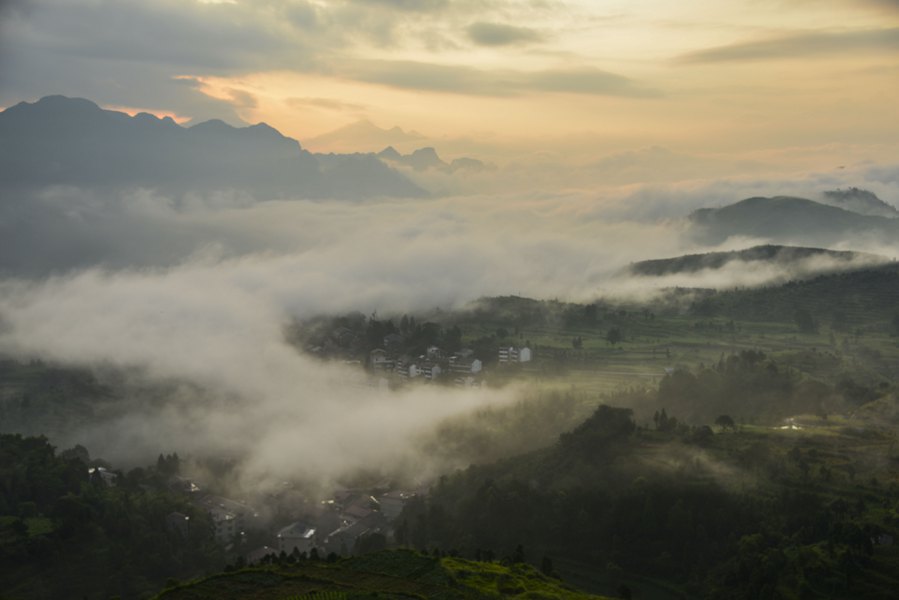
pixel 72 141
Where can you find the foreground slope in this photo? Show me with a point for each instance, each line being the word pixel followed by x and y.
pixel 386 574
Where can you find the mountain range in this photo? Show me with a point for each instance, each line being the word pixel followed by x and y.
pixel 427 158
pixel 72 141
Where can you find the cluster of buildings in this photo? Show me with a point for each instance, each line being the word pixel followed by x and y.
pixel 338 525
pixel 231 519
pixel 430 366
pixel 462 365
pixel 514 354
pixel 338 528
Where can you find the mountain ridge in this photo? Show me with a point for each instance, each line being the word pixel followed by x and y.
pixel 766 253
pixel 73 141
pixel 789 220
pixel 426 158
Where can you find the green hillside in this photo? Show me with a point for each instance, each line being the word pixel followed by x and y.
pixel 788 219
pixel 388 574
pixel 862 296
pixel 785 256
pixel 805 510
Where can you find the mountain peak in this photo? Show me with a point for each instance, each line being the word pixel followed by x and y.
pixel 390 153
pixel 58 100
pixel 57 105
pixel 860 201
pixel 212 125
pixel 790 220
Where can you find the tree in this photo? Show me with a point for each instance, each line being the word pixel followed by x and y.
pixel 614 336
pixel 662 423
pixel 725 422
pixel 546 566
pixel 804 321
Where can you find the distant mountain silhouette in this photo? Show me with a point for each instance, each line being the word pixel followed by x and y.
pixel 427 158
pixel 862 202
pixel 364 135
pixel 789 220
pixel 783 256
pixel 72 141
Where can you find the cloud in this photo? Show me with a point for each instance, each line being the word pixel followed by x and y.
pixel 13 6
pixel 214 329
pixel 800 45
pixel 462 79
pixel 499 34
pixel 326 103
pixel 364 136
pixel 889 5
pixel 407 5
pixel 174 293
pixel 736 273
pixel 142 53
pixel 192 296
pixel 209 37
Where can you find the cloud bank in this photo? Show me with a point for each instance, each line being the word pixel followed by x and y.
pixel 193 293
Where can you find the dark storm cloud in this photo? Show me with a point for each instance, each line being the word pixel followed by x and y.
pixel 129 53
pixel 800 45
pixel 212 37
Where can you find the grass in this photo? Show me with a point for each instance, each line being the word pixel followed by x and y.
pixel 389 574
pixel 670 342
pixel 36 525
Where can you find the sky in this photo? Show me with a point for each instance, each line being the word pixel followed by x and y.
pixel 807 84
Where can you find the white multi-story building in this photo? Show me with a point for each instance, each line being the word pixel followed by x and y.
pixel 512 354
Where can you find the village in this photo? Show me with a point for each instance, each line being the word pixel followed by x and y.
pixel 410 352
pixel 350 521
pixel 346 522
pixel 460 368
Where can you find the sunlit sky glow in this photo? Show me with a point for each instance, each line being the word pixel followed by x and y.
pixel 498 78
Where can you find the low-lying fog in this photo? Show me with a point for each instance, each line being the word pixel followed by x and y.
pixel 199 289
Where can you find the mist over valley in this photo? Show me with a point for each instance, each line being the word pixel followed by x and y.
pixel 427 300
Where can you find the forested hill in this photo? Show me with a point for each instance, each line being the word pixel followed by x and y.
pixel 780 256
pixel 69 531
pixel 848 298
pixel 676 510
pixel 792 220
